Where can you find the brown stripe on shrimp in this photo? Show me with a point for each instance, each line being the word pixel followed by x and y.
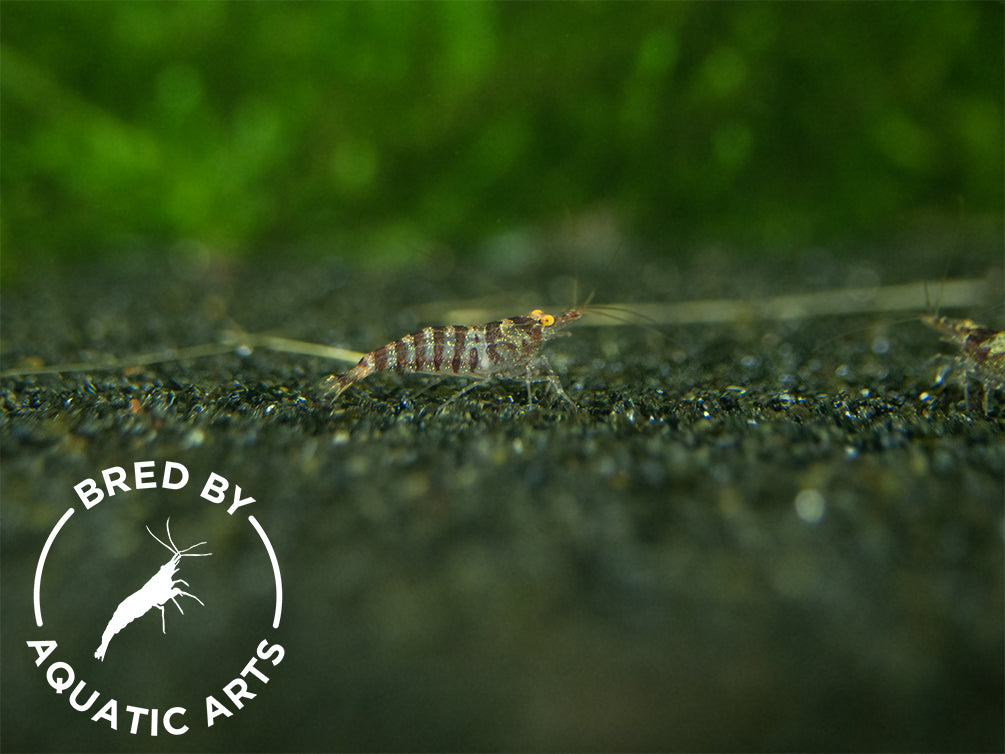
pixel 507 349
pixel 457 333
pixel 439 343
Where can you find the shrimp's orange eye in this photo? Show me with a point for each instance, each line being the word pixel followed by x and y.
pixel 537 314
pixel 547 319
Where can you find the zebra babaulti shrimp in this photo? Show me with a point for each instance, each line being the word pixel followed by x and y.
pixel 507 349
pixel 982 353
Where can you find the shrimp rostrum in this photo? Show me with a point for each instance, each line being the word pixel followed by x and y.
pixel 507 349
pixel 160 588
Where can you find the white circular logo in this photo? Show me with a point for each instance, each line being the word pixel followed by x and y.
pixel 166 595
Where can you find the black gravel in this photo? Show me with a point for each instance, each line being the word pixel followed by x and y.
pixel 760 536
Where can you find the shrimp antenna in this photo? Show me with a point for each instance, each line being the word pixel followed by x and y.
pixel 167 525
pixel 172 548
pixel 605 311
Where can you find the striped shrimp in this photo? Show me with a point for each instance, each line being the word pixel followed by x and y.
pixel 982 353
pixel 507 349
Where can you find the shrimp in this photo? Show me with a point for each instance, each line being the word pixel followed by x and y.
pixel 982 353
pixel 507 349
pixel 160 588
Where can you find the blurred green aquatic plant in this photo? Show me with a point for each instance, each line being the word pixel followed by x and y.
pixel 362 127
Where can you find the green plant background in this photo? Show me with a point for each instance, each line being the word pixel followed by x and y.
pixel 393 128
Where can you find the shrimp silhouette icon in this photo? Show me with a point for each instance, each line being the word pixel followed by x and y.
pixel 160 588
